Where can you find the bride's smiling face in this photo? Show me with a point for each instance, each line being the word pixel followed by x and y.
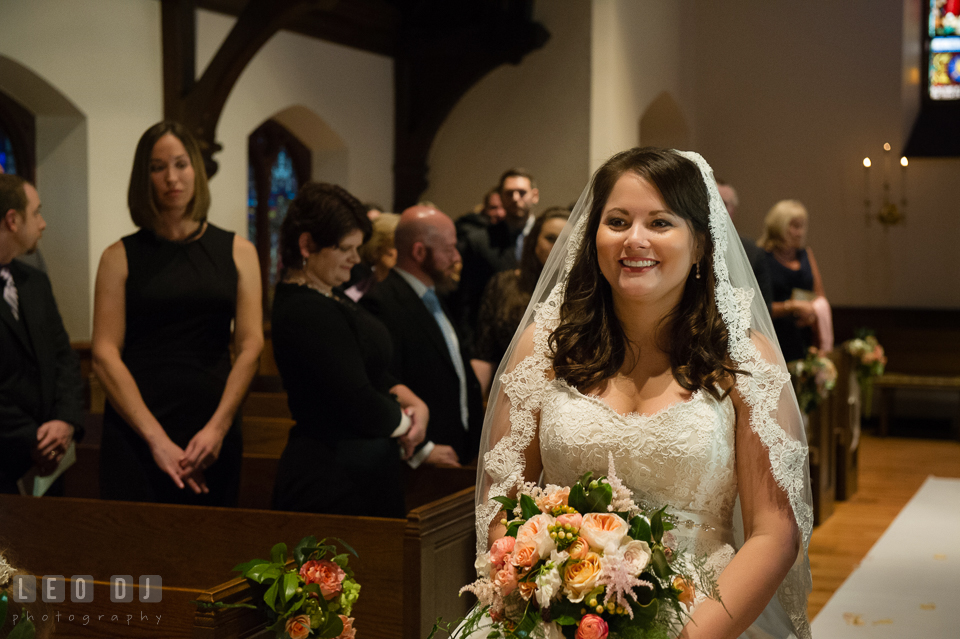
pixel 645 251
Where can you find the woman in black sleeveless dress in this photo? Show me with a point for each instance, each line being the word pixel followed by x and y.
pixel 792 267
pixel 165 299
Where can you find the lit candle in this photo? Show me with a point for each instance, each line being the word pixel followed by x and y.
pixel 903 180
pixel 866 185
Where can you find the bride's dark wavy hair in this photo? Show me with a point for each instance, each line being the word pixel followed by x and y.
pixel 589 345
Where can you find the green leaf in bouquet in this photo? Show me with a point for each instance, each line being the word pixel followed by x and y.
pixel 506 502
pixel 270 597
pixel 566 620
pixel 527 625
pixel 640 530
pixel 278 554
pixel 342 560
pixel 23 630
pixel 244 567
pixel 661 567
pixel 513 527
pixel 528 507
pixel 332 628
pixel 291 581
pixel 298 553
pixel 584 480
pixel 599 498
pixel 578 498
pixel 656 526
pixel 348 547
pixel 261 572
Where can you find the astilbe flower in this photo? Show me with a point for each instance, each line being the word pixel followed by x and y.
pixel 618 576
pixel 486 592
pixel 622 497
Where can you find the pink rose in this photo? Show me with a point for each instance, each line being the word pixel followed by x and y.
pixel 349 632
pixel 592 627
pixel 525 555
pixel 298 627
pixel 328 575
pixel 603 530
pixel 574 520
pixel 579 548
pixel 506 579
pixel 500 549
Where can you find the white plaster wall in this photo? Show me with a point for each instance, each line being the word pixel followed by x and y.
pixel 350 90
pixel 791 98
pixel 103 56
pixel 535 115
pixel 637 50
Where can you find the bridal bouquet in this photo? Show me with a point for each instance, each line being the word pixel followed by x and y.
pixel 585 561
pixel 871 361
pixel 316 599
pixel 814 377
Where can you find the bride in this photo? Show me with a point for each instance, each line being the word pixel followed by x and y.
pixel 646 341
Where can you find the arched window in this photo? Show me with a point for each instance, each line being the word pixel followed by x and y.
pixel 279 165
pixel 17 139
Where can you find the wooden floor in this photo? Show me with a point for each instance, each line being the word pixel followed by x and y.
pixel 891 471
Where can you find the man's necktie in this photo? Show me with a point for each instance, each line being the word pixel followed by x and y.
pixel 433 305
pixel 10 291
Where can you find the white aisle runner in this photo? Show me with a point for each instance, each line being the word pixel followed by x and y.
pixel 908 585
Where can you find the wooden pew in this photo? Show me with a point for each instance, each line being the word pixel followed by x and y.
pixel 845 406
pixel 410 570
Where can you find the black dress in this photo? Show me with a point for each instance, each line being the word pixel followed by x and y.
pixel 794 340
pixel 333 356
pixel 501 311
pixel 181 298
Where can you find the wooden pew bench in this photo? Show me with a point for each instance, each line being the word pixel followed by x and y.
pixel 888 383
pixel 410 569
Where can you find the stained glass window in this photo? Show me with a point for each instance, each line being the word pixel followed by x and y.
pixel 7 160
pixel 283 188
pixel 944 47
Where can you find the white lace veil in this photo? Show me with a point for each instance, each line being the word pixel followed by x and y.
pixel 510 425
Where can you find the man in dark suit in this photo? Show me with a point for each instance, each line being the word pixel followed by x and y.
pixel 755 254
pixel 40 389
pixel 427 356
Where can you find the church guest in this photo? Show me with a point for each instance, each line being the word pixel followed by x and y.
pixel 490 212
pixel 165 299
pixel 40 389
pixel 508 293
pixel 427 349
pixel 378 254
pixel 756 255
pixel 342 454
pixel 797 286
pixel 496 247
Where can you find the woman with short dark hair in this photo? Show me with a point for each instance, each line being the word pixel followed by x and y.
pixel 165 300
pixel 354 421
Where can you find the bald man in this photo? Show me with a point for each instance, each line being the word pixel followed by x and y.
pixel 427 353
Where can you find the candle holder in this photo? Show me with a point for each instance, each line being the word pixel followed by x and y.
pixel 889 214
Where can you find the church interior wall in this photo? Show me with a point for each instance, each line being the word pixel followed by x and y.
pixel 535 115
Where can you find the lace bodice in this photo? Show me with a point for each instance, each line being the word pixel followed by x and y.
pixel 681 456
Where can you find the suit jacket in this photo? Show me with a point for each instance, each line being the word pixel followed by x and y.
pixel 39 372
pixel 758 261
pixel 421 360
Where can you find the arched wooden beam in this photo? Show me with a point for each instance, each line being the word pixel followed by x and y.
pixel 432 74
pixel 198 104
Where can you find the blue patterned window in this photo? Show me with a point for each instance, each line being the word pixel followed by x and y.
pixel 7 160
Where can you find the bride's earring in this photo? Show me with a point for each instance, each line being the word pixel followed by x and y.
pixel 698 270
pixel 303 266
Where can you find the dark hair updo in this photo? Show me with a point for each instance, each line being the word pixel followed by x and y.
pixel 327 212
pixel 589 345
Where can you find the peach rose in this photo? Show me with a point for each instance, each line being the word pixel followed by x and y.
pixel 524 555
pixel 298 627
pixel 603 530
pixel 535 531
pixel 581 577
pixel 328 575
pixel 506 579
pixel 349 632
pixel 553 499
pixel 579 548
pixel 526 589
pixel 574 520
pixel 592 627
pixel 685 590
pixel 500 549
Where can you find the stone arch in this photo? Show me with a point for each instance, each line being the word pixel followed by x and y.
pixel 62 176
pixel 663 124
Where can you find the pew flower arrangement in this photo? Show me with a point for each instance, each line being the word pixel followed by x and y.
pixel 871 360
pixel 584 562
pixel 316 599
pixel 813 377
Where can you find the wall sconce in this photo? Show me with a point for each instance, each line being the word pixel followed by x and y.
pixel 889 214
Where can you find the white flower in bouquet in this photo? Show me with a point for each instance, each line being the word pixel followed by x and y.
pixel 604 530
pixel 536 532
pixel 549 580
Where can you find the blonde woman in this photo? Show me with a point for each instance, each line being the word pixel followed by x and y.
pixel 796 279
